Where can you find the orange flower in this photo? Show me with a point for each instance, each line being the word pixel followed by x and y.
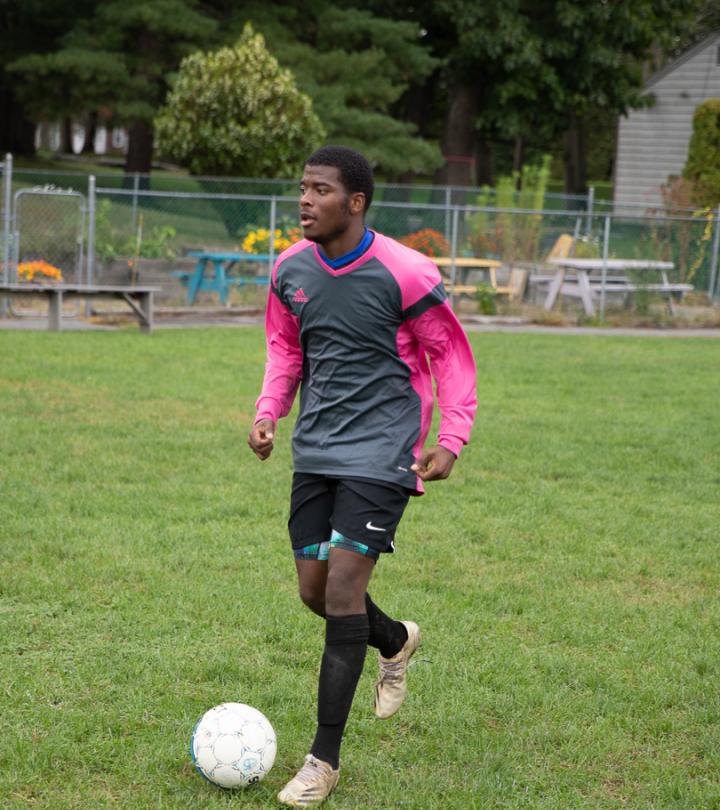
pixel 427 241
pixel 28 270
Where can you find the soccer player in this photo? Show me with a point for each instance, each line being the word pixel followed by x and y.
pixel 362 324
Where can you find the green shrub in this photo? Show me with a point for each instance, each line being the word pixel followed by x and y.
pixel 111 242
pixel 703 164
pixel 508 235
pixel 485 295
pixel 235 111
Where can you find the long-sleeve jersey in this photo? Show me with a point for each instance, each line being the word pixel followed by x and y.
pixel 365 342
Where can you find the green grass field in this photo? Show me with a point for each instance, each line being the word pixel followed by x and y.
pixel 565 578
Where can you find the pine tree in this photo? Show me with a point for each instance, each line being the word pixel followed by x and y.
pixel 117 61
pixel 355 65
pixel 28 26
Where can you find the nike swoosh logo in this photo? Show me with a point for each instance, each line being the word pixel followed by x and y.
pixel 372 528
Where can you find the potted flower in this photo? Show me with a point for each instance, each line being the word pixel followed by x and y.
pixel 39 271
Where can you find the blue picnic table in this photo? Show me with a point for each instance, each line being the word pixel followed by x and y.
pixel 222 276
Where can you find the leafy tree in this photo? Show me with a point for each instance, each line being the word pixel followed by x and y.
pixel 703 164
pixel 235 111
pixel 523 71
pixel 598 58
pixel 118 60
pixel 355 65
pixel 704 21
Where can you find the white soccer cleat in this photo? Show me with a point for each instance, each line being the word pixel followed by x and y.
pixel 391 686
pixel 311 785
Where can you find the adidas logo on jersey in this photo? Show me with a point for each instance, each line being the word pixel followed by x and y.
pixel 300 297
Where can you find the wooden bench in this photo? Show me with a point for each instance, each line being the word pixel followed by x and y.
pixel 459 289
pixel 139 299
pixel 673 292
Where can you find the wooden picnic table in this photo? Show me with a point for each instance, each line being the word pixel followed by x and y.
pixel 586 285
pixel 457 284
pixel 222 278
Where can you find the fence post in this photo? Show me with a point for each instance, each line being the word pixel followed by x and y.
pixel 606 245
pixel 7 203
pixel 453 254
pixel 712 292
pixel 590 203
pixel 91 230
pixel 448 203
pixel 271 249
pixel 136 187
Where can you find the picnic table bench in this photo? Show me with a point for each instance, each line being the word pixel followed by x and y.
pixel 464 264
pixel 455 271
pixel 222 278
pixel 139 299
pixel 586 286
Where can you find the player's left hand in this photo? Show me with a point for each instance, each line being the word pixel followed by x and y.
pixel 434 464
pixel 261 438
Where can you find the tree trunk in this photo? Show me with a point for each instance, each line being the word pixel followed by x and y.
pixel 91 125
pixel 574 157
pixel 66 138
pixel 483 162
pixel 518 160
pixel 140 147
pixel 17 134
pixel 459 138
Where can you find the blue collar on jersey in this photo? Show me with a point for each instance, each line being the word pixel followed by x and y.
pixel 347 258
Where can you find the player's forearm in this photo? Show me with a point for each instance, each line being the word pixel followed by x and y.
pixel 277 394
pixel 457 402
pixel 452 366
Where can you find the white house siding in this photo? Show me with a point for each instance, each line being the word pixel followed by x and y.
pixel 653 142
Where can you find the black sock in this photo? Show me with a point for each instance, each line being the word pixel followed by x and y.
pixel 386 634
pixel 346 639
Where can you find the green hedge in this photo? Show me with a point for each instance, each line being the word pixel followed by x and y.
pixel 703 163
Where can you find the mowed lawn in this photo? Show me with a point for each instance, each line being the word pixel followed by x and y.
pixel 565 578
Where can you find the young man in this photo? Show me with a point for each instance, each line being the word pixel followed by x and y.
pixel 354 317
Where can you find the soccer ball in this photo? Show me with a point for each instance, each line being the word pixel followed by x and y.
pixel 233 745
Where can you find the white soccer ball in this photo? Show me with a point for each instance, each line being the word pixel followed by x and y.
pixel 233 745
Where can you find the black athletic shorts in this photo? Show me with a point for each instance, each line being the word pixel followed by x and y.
pixel 364 512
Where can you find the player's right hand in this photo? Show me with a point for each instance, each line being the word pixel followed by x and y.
pixel 261 438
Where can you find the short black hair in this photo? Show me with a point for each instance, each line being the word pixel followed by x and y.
pixel 356 173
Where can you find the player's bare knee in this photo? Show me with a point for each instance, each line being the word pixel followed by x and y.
pixel 312 599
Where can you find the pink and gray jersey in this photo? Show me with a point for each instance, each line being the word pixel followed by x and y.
pixel 365 343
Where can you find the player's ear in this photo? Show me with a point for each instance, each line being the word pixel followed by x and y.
pixel 357 202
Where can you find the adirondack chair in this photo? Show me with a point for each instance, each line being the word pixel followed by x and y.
pixel 563 248
pixel 515 287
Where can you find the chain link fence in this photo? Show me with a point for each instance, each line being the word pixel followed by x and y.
pixel 143 228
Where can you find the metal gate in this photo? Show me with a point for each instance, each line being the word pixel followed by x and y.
pixel 48 232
